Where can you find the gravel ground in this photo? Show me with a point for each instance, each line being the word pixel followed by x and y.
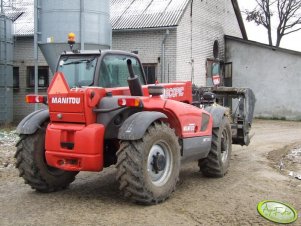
pixel 257 172
pixel 8 138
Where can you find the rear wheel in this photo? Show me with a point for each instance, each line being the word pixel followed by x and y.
pixel 148 169
pixel 32 165
pixel 217 162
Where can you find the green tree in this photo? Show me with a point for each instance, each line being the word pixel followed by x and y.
pixel 286 15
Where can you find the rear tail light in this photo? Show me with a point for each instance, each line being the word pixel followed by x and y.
pixel 130 102
pixel 33 99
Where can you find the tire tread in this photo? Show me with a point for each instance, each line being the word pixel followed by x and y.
pixel 129 167
pixel 212 165
pixel 28 168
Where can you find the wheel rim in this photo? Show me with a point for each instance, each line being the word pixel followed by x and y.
pixel 224 146
pixel 159 163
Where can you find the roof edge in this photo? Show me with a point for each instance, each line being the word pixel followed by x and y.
pixel 259 44
pixel 239 19
pixel 145 29
pixel 23 35
pixel 183 12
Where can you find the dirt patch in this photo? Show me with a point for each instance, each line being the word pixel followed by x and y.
pixel 287 160
pixel 94 198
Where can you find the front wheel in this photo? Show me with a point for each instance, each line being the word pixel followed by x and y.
pixel 217 162
pixel 148 169
pixel 32 165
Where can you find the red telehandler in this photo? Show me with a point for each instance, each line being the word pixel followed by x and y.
pixel 101 112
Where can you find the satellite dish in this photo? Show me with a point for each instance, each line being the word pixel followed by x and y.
pixel 215 49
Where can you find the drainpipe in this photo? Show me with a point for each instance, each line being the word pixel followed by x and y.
pixel 82 25
pixel 36 70
pixel 6 85
pixel 163 56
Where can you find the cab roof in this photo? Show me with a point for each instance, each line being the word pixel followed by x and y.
pixel 96 52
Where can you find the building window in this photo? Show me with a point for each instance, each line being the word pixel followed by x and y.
pixel 43 77
pixel 150 73
pixel 16 77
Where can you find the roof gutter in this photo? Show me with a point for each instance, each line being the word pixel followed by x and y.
pixel 115 30
pixel 145 29
pixel 23 36
pixel 239 19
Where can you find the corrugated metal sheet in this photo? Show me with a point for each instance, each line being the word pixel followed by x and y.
pixel 125 14
pixel 13 15
pixel 24 26
pixel 137 14
pixel 21 12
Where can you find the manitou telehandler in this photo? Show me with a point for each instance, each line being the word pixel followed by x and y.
pixel 101 112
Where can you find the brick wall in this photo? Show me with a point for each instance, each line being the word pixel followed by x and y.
pixel 202 23
pixel 149 47
pixel 24 57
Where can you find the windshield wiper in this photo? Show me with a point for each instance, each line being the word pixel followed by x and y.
pixel 80 61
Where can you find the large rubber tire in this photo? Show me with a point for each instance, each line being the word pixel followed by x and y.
pixel 136 173
pixel 32 166
pixel 218 160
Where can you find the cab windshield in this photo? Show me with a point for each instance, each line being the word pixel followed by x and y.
pixel 78 72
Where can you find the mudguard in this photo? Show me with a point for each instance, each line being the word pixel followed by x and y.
pixel 32 122
pixel 136 125
pixel 217 113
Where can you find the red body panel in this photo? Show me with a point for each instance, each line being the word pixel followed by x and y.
pixel 75 142
pixel 179 91
pixel 70 102
pixel 87 151
pixel 67 117
pixel 76 105
pixel 180 116
pixel 189 117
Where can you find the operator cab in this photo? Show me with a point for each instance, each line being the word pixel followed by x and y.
pixel 103 68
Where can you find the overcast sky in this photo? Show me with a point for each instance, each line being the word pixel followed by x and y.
pixel 259 33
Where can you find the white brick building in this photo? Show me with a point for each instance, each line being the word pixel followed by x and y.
pixel 174 48
pixel 190 40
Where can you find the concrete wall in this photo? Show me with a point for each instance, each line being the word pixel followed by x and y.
pixel 202 23
pixel 273 74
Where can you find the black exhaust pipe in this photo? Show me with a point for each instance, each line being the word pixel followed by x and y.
pixel 133 81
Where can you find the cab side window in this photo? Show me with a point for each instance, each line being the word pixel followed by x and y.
pixel 114 71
